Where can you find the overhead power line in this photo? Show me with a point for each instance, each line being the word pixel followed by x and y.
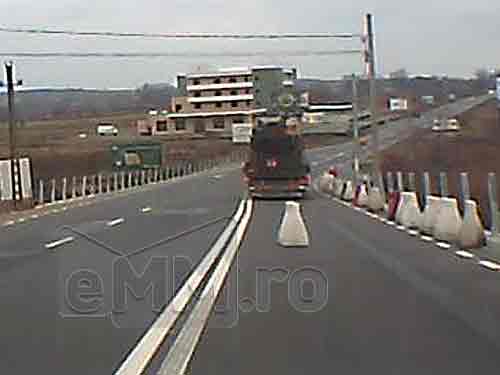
pixel 115 34
pixel 178 54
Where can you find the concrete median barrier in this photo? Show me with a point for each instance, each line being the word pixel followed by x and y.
pixel 348 194
pixel 448 221
pixel 410 216
pixel 375 200
pixel 431 212
pixel 293 231
pixel 471 234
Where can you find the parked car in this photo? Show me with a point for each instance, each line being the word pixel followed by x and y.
pixel 104 129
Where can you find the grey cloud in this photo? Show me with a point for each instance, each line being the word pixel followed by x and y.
pixel 423 36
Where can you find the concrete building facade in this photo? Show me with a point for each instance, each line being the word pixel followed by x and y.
pixel 212 102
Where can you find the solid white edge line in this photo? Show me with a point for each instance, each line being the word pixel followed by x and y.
pixel 464 254
pixel 182 349
pixel 490 265
pixel 143 352
pixel 115 222
pixel 63 241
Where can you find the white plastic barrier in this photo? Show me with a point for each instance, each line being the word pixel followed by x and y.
pixel 431 212
pixel 348 194
pixel 362 200
pixel 339 188
pixel 448 221
pixel 293 231
pixel 375 200
pixel 471 234
pixel 410 216
pixel 325 182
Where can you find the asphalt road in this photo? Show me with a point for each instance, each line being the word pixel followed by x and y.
pixel 49 327
pixel 395 305
pixel 391 302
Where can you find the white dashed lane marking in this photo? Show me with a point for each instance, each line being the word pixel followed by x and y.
pixel 146 209
pixel 443 245
pixel 490 265
pixel 465 254
pixel 21 220
pixel 115 222
pixel 9 223
pixel 55 244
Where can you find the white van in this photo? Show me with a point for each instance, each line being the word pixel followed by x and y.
pixel 107 129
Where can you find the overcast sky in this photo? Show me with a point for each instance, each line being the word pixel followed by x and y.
pixel 425 36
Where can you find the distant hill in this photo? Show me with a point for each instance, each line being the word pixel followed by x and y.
pixel 46 103
pixel 341 90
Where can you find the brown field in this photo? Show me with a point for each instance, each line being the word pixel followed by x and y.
pixel 57 151
pixel 475 149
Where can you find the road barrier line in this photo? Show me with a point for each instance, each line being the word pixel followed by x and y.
pixel 144 351
pixel 55 244
pixel 182 350
pixel 115 222
pixel 413 232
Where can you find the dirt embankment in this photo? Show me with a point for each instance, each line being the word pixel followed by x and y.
pixel 475 149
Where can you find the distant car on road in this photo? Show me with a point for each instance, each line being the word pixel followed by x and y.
pixel 104 129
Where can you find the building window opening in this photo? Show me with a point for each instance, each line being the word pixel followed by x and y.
pixel 218 93
pixel 197 105
pixel 197 94
pixel 217 81
pixel 161 126
pixel 219 123
pixel 234 104
pixel 234 93
pixel 180 124
pixel 218 105
pixel 178 107
pixel 196 82
pixel 232 80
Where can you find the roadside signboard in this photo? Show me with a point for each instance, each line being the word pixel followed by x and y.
pixel 398 104
pixel 242 133
pixel 498 88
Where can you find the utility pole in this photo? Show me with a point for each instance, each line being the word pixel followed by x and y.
pixel 370 60
pixel 10 94
pixel 498 96
pixel 9 73
pixel 355 129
